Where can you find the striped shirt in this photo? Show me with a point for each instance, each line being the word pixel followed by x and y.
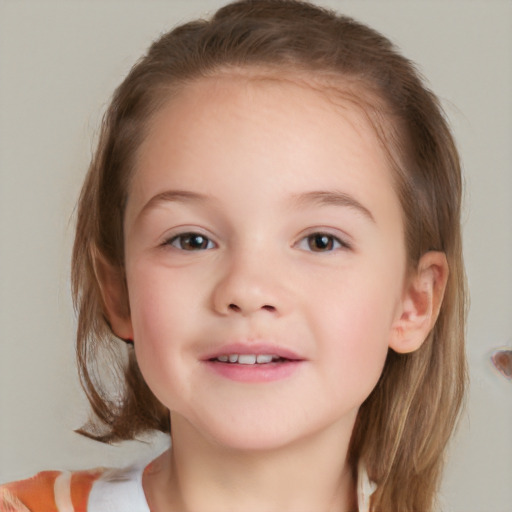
pixel 102 490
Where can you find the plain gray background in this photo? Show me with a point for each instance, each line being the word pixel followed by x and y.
pixel 59 63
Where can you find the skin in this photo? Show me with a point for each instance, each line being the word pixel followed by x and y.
pixel 241 162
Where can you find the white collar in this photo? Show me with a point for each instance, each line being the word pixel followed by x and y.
pixel 119 490
pixel 365 488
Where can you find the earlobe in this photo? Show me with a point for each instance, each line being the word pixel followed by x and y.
pixel 421 302
pixel 112 284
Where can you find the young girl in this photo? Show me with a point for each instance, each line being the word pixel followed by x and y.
pixel 268 260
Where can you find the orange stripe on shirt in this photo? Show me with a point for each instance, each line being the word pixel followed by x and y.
pixel 35 493
pixel 81 485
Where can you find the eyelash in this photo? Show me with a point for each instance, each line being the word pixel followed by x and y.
pixel 327 242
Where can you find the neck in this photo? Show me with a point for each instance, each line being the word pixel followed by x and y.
pixel 198 475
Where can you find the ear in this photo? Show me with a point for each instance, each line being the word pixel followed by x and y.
pixel 111 280
pixel 421 302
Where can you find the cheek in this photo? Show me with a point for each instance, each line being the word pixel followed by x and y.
pixel 355 323
pixel 153 313
pixel 359 340
pixel 159 303
pixel 157 317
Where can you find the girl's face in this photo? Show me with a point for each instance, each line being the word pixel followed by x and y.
pixel 262 224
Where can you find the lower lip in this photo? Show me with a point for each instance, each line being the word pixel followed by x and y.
pixel 254 372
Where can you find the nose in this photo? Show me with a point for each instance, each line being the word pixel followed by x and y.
pixel 250 285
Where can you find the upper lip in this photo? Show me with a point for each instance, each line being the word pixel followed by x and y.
pixel 253 348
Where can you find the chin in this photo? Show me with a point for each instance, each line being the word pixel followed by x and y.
pixel 256 442
pixel 244 434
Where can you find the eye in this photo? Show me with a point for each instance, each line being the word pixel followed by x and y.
pixel 321 242
pixel 191 242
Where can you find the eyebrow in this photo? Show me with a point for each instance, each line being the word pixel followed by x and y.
pixel 183 196
pixel 332 198
pixel 319 197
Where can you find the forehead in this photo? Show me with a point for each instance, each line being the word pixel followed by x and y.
pixel 316 101
pixel 349 96
pixel 294 129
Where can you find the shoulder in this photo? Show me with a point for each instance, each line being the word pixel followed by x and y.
pixel 97 490
pixel 49 491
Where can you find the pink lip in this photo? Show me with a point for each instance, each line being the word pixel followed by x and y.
pixel 268 372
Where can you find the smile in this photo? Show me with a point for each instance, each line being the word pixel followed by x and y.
pixel 248 358
pixel 253 363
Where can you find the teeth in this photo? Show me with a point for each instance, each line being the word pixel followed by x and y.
pixel 248 358
pixel 263 359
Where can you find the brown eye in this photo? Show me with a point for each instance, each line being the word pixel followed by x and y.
pixel 322 242
pixel 191 242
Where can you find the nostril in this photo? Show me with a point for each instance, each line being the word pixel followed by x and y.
pixel 238 309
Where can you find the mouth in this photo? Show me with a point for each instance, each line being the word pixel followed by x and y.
pixel 253 362
pixel 249 359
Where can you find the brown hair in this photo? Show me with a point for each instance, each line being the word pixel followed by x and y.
pixel 403 427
